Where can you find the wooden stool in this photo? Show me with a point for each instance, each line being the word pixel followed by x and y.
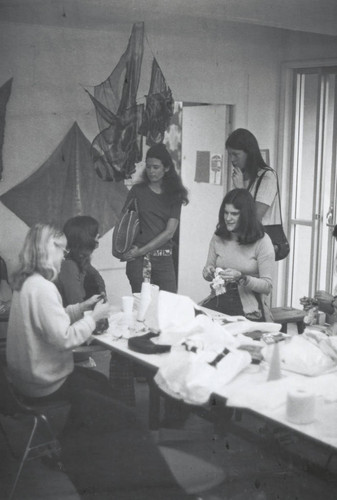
pixel 285 315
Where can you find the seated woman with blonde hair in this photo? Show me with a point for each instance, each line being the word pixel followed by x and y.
pixel 99 430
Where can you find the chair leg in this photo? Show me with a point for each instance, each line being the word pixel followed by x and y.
pixel 23 459
pixel 52 442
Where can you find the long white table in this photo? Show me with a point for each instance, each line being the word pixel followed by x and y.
pixel 253 379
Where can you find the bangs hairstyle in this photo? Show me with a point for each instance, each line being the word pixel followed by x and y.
pixel 34 256
pixel 172 185
pixel 249 228
pixel 243 140
pixel 81 232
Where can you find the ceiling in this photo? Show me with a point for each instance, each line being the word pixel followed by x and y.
pixel 314 16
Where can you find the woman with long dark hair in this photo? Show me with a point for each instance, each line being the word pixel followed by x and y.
pixel 251 172
pixel 240 260
pixel 160 196
pixel 78 279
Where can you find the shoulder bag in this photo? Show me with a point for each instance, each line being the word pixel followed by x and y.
pixel 126 231
pixel 275 231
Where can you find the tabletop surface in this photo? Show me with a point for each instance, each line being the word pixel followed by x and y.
pixel 251 390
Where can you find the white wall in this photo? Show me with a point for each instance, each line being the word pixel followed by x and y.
pixel 203 130
pixel 205 61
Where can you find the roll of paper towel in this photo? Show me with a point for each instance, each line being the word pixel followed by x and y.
pixel 300 406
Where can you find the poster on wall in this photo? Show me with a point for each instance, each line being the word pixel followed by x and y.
pixel 209 167
pixel 216 169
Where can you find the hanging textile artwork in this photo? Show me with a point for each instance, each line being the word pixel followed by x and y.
pixel 66 185
pixel 5 92
pixel 159 108
pixel 121 120
pixel 117 147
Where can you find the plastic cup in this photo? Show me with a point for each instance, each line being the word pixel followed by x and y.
pixel 127 304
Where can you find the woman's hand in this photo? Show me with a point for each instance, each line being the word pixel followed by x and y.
pixel 133 253
pixel 88 304
pixel 101 310
pixel 237 177
pixel 230 274
pixel 324 300
pixel 208 273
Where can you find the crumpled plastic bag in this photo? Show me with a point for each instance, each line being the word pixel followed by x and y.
pixel 327 344
pixel 301 355
pixel 177 319
pixel 186 375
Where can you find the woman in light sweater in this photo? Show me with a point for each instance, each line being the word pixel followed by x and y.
pixel 240 260
pixel 41 333
pixel 99 430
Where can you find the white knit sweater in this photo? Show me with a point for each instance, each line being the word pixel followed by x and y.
pixel 41 335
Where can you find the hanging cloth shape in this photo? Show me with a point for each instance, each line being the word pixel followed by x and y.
pixel 159 107
pixel 5 92
pixel 66 185
pixel 117 147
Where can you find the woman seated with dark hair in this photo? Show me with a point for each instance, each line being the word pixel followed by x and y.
pixel 78 279
pixel 240 260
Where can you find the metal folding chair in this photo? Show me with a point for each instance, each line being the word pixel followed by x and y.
pixel 42 440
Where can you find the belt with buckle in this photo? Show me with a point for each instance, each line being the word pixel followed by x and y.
pixel 161 252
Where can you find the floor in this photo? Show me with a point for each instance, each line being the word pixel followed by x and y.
pixel 260 462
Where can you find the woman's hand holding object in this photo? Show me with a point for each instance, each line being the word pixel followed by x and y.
pixel 230 274
pixel 237 177
pixel 91 302
pixel 325 301
pixel 208 273
pixel 102 310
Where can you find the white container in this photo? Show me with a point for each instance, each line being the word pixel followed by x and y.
pixel 145 299
pixel 300 406
pixel 127 304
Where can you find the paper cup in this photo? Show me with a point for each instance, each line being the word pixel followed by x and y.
pixel 127 305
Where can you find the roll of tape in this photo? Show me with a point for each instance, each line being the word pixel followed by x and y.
pixel 300 406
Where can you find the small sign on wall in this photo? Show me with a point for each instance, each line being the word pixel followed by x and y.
pixel 209 167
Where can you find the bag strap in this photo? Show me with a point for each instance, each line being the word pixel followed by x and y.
pixel 278 188
pixel 128 206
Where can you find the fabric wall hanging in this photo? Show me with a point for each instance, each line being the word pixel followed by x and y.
pixel 67 185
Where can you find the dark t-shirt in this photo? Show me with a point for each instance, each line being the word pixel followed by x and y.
pixel 154 212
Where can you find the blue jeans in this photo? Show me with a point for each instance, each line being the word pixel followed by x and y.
pixel 162 273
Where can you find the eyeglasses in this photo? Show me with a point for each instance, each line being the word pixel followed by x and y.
pixel 65 250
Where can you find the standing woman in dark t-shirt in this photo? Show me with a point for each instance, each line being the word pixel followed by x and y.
pixel 159 196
